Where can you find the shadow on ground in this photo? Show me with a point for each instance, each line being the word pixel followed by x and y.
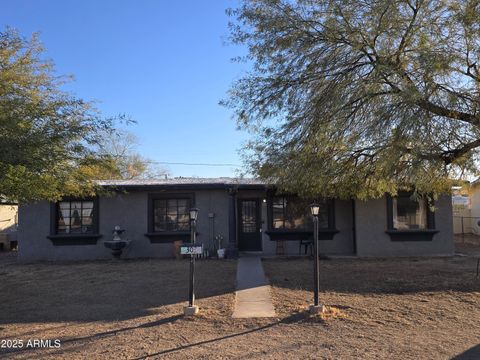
pixel 73 344
pixel 296 318
pixel 76 342
pixel 471 354
pixel 104 290
pixel 377 276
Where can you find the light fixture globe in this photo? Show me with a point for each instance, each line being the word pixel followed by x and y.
pixel 193 214
pixel 315 209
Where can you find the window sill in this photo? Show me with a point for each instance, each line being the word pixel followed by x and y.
pixel 74 239
pixel 168 236
pixel 412 235
pixel 281 235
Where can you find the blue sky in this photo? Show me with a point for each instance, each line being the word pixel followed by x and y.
pixel 163 63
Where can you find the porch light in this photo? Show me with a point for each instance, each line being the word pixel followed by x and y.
pixel 315 209
pixel 193 214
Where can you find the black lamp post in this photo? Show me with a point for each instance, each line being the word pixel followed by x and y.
pixel 193 228
pixel 315 208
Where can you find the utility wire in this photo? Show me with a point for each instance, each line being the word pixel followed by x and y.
pixel 194 164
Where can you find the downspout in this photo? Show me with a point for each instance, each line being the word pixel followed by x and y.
pixel 354 228
pixel 232 250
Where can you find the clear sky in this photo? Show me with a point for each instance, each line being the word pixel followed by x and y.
pixel 163 63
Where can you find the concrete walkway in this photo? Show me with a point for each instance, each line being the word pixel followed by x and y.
pixel 253 297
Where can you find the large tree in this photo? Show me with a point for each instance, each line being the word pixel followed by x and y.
pixel 358 98
pixel 47 136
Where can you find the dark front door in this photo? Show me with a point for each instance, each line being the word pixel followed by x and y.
pixel 249 235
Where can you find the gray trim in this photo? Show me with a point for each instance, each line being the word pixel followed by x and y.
pixel 183 187
pixel 76 239
pixel 411 235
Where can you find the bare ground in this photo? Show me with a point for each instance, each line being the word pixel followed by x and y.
pixel 401 308
pixel 408 309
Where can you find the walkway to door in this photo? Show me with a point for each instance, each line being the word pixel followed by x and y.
pixel 253 298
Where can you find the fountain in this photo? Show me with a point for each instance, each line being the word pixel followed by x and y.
pixel 117 244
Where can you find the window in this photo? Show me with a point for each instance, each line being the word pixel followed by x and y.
pixel 75 217
pixel 406 213
pixel 171 214
pixel 293 213
pixel 169 217
pixel 409 219
pixel 409 214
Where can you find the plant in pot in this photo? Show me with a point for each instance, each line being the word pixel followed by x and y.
pixel 220 250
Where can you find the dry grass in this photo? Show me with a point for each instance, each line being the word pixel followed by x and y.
pixel 408 309
pixel 117 309
pixel 468 244
pixel 399 308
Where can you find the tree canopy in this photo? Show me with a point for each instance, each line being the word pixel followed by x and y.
pixel 358 98
pixel 47 136
pixel 119 149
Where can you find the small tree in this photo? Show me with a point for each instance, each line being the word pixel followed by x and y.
pixel 46 134
pixel 359 98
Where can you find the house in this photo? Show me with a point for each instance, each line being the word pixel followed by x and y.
pixel 242 214
pixel 463 197
pixel 466 208
pixel 8 225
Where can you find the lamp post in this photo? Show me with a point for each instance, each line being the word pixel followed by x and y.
pixel 192 309
pixel 315 308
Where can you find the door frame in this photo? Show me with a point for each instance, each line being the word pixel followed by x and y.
pixel 258 214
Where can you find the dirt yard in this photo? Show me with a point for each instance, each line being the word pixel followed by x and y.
pixel 408 309
pixel 468 244
pixel 395 309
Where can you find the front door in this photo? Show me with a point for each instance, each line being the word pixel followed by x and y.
pixel 249 235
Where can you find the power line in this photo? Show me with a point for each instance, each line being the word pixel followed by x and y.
pixel 194 164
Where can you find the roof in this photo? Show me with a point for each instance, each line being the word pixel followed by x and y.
pixel 183 182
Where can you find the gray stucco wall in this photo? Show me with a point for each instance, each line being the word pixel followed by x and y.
pixel 372 240
pixel 129 211
pixel 342 242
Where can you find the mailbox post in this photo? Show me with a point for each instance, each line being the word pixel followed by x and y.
pixel 192 249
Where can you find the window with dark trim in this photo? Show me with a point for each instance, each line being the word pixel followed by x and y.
pixel 409 214
pixel 75 217
pixel 171 214
pixel 410 219
pixel 74 222
pixel 406 213
pixel 293 213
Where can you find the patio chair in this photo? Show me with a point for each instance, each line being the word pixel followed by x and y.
pixel 307 244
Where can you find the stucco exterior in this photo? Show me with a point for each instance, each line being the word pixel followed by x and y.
pixel 341 244
pixel 8 225
pixel 373 241
pixel 360 227
pixel 127 210
pixel 8 218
